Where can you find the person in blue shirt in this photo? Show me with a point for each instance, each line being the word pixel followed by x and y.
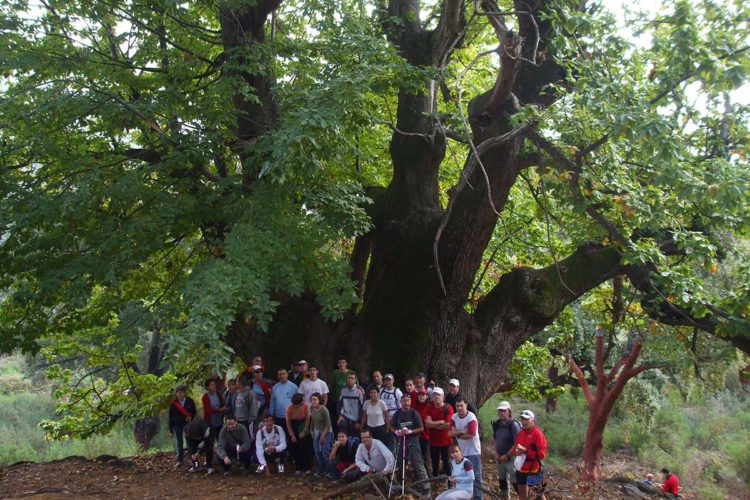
pixel 281 397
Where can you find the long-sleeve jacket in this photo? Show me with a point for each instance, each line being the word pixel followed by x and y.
pixel 207 409
pixel 377 459
pixel 536 448
pixel 231 439
pixel 246 405
pixel 178 413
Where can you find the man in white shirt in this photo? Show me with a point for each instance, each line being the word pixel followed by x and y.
pixel 372 457
pixel 270 444
pixel 465 428
pixel 312 385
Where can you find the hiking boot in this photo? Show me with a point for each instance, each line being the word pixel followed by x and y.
pixel 261 469
pixel 227 472
pixel 178 464
pixel 281 468
pixel 245 470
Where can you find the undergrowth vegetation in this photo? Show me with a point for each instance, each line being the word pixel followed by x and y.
pixel 705 440
pixel 26 400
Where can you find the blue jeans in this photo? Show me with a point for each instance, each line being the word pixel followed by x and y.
pixel 179 442
pixel 476 461
pixel 321 452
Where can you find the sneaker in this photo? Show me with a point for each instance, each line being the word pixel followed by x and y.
pixel 281 468
pixel 245 470
pixel 211 471
pixel 298 473
pixel 226 473
pixel 261 469
pixel 193 469
pixel 177 465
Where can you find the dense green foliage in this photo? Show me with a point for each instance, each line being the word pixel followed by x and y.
pixel 134 219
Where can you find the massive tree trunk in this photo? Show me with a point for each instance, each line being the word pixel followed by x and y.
pixel 416 268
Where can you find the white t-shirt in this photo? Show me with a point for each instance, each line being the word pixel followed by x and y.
pixel 375 417
pixel 307 388
pixel 470 446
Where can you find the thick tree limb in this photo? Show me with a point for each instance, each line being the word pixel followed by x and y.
pixel 449 29
pixel 582 382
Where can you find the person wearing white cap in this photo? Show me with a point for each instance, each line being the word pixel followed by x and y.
pixel 454 394
pixel 438 420
pixel 531 446
pixel 504 433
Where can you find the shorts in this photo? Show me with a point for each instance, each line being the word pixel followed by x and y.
pixel 528 478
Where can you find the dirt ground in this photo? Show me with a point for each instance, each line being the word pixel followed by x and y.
pixel 153 476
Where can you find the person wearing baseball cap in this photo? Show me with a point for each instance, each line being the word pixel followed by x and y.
pixel 454 394
pixel 438 421
pixel 504 433
pixel 532 446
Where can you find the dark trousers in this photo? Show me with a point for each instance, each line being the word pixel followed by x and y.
pixel 277 457
pixel 301 449
pixel 194 446
pixel 353 474
pixel 179 442
pixel 424 447
pixel 243 457
pixel 436 453
pixel 380 434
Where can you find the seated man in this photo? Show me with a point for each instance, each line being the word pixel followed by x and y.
pixel 270 445
pixel 234 442
pixel 200 442
pixel 372 457
pixel 343 454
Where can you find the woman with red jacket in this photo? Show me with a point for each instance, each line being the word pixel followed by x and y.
pixel 213 408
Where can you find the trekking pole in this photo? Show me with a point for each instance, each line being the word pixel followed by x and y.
pixel 393 474
pixel 403 466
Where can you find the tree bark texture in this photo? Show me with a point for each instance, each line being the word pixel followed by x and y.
pixel 416 268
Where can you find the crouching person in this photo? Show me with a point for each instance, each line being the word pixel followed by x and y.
pixel 234 444
pixel 372 457
pixel 270 445
pixel 200 441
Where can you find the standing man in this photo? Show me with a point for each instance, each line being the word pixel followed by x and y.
pixel 261 388
pixel 390 395
pixel 338 382
pixel 531 444
pixel 181 412
pixel 300 373
pixel 310 386
pixel 504 433
pixel 438 421
pixel 246 405
pixel 465 428
pixel 281 397
pixel 408 426
pixel 420 382
pixel 349 407
pixel 377 379
pixel 454 394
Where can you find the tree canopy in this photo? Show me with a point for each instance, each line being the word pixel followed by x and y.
pixel 186 182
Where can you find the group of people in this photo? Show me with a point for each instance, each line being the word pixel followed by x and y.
pixel 351 431
pixel 671 483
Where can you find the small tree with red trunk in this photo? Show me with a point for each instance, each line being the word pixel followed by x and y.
pixel 601 401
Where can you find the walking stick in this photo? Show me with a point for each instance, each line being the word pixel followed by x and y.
pixel 403 465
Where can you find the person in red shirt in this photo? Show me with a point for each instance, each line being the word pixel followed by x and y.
pixel 423 407
pixel 438 421
pixel 671 482
pixel 531 444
